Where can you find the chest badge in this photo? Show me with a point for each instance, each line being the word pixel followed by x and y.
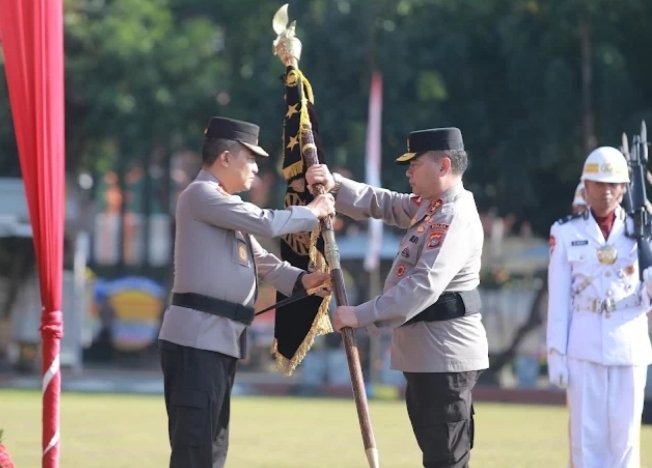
pixel 242 252
pixel 607 255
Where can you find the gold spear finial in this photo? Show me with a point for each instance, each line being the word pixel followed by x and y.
pixel 286 45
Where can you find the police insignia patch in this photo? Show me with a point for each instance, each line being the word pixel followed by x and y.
pixel 405 253
pixel 436 236
pixel 400 270
pixel 435 239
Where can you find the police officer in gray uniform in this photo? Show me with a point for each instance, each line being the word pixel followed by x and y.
pixel 430 299
pixel 217 263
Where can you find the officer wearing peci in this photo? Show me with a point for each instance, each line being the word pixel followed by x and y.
pixel 430 300
pixel 217 262
pixel 597 332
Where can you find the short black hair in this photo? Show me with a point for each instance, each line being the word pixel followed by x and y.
pixel 213 147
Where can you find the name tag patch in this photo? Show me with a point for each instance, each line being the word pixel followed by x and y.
pixel 580 242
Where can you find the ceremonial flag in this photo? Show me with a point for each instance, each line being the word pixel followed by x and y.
pixel 297 324
pixel 372 168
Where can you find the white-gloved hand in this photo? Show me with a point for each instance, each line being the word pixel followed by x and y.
pixel 647 279
pixel 557 369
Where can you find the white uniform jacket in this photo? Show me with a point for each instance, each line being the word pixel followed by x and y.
pixel 214 255
pixel 440 252
pixel 596 309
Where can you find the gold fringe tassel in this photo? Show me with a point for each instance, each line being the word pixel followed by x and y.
pixel 322 323
pixel 293 170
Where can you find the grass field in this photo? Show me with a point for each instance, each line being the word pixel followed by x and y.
pixel 107 430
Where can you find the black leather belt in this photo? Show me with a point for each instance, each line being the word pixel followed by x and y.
pixel 212 305
pixel 450 305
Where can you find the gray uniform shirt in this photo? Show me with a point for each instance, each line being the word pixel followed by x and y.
pixel 439 253
pixel 213 256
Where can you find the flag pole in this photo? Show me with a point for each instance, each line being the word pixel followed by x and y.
pixel 375 226
pixel 288 48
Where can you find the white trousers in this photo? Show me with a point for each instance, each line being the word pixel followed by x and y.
pixel 606 406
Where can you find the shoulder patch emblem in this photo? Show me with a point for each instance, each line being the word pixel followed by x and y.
pixel 400 270
pixel 435 239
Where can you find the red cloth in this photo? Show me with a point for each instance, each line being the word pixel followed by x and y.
pixel 32 40
pixel 605 223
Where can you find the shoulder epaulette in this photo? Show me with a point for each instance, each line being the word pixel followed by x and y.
pixel 570 217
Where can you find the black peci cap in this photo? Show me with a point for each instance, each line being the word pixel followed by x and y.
pixel 230 129
pixel 434 139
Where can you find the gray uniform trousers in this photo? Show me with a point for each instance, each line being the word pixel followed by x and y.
pixel 197 385
pixel 440 407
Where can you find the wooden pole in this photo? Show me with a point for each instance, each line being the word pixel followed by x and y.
pixel 288 48
pixel 331 252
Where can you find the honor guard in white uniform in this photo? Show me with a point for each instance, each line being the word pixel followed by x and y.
pixel 597 332
pixel 217 262
pixel 430 300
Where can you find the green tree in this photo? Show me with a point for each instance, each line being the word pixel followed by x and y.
pixel 533 84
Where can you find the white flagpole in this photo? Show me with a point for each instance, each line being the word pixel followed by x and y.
pixel 375 226
pixel 372 167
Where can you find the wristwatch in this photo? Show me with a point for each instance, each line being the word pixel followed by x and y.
pixel 298 285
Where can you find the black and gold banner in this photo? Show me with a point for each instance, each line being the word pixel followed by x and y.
pixel 298 324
